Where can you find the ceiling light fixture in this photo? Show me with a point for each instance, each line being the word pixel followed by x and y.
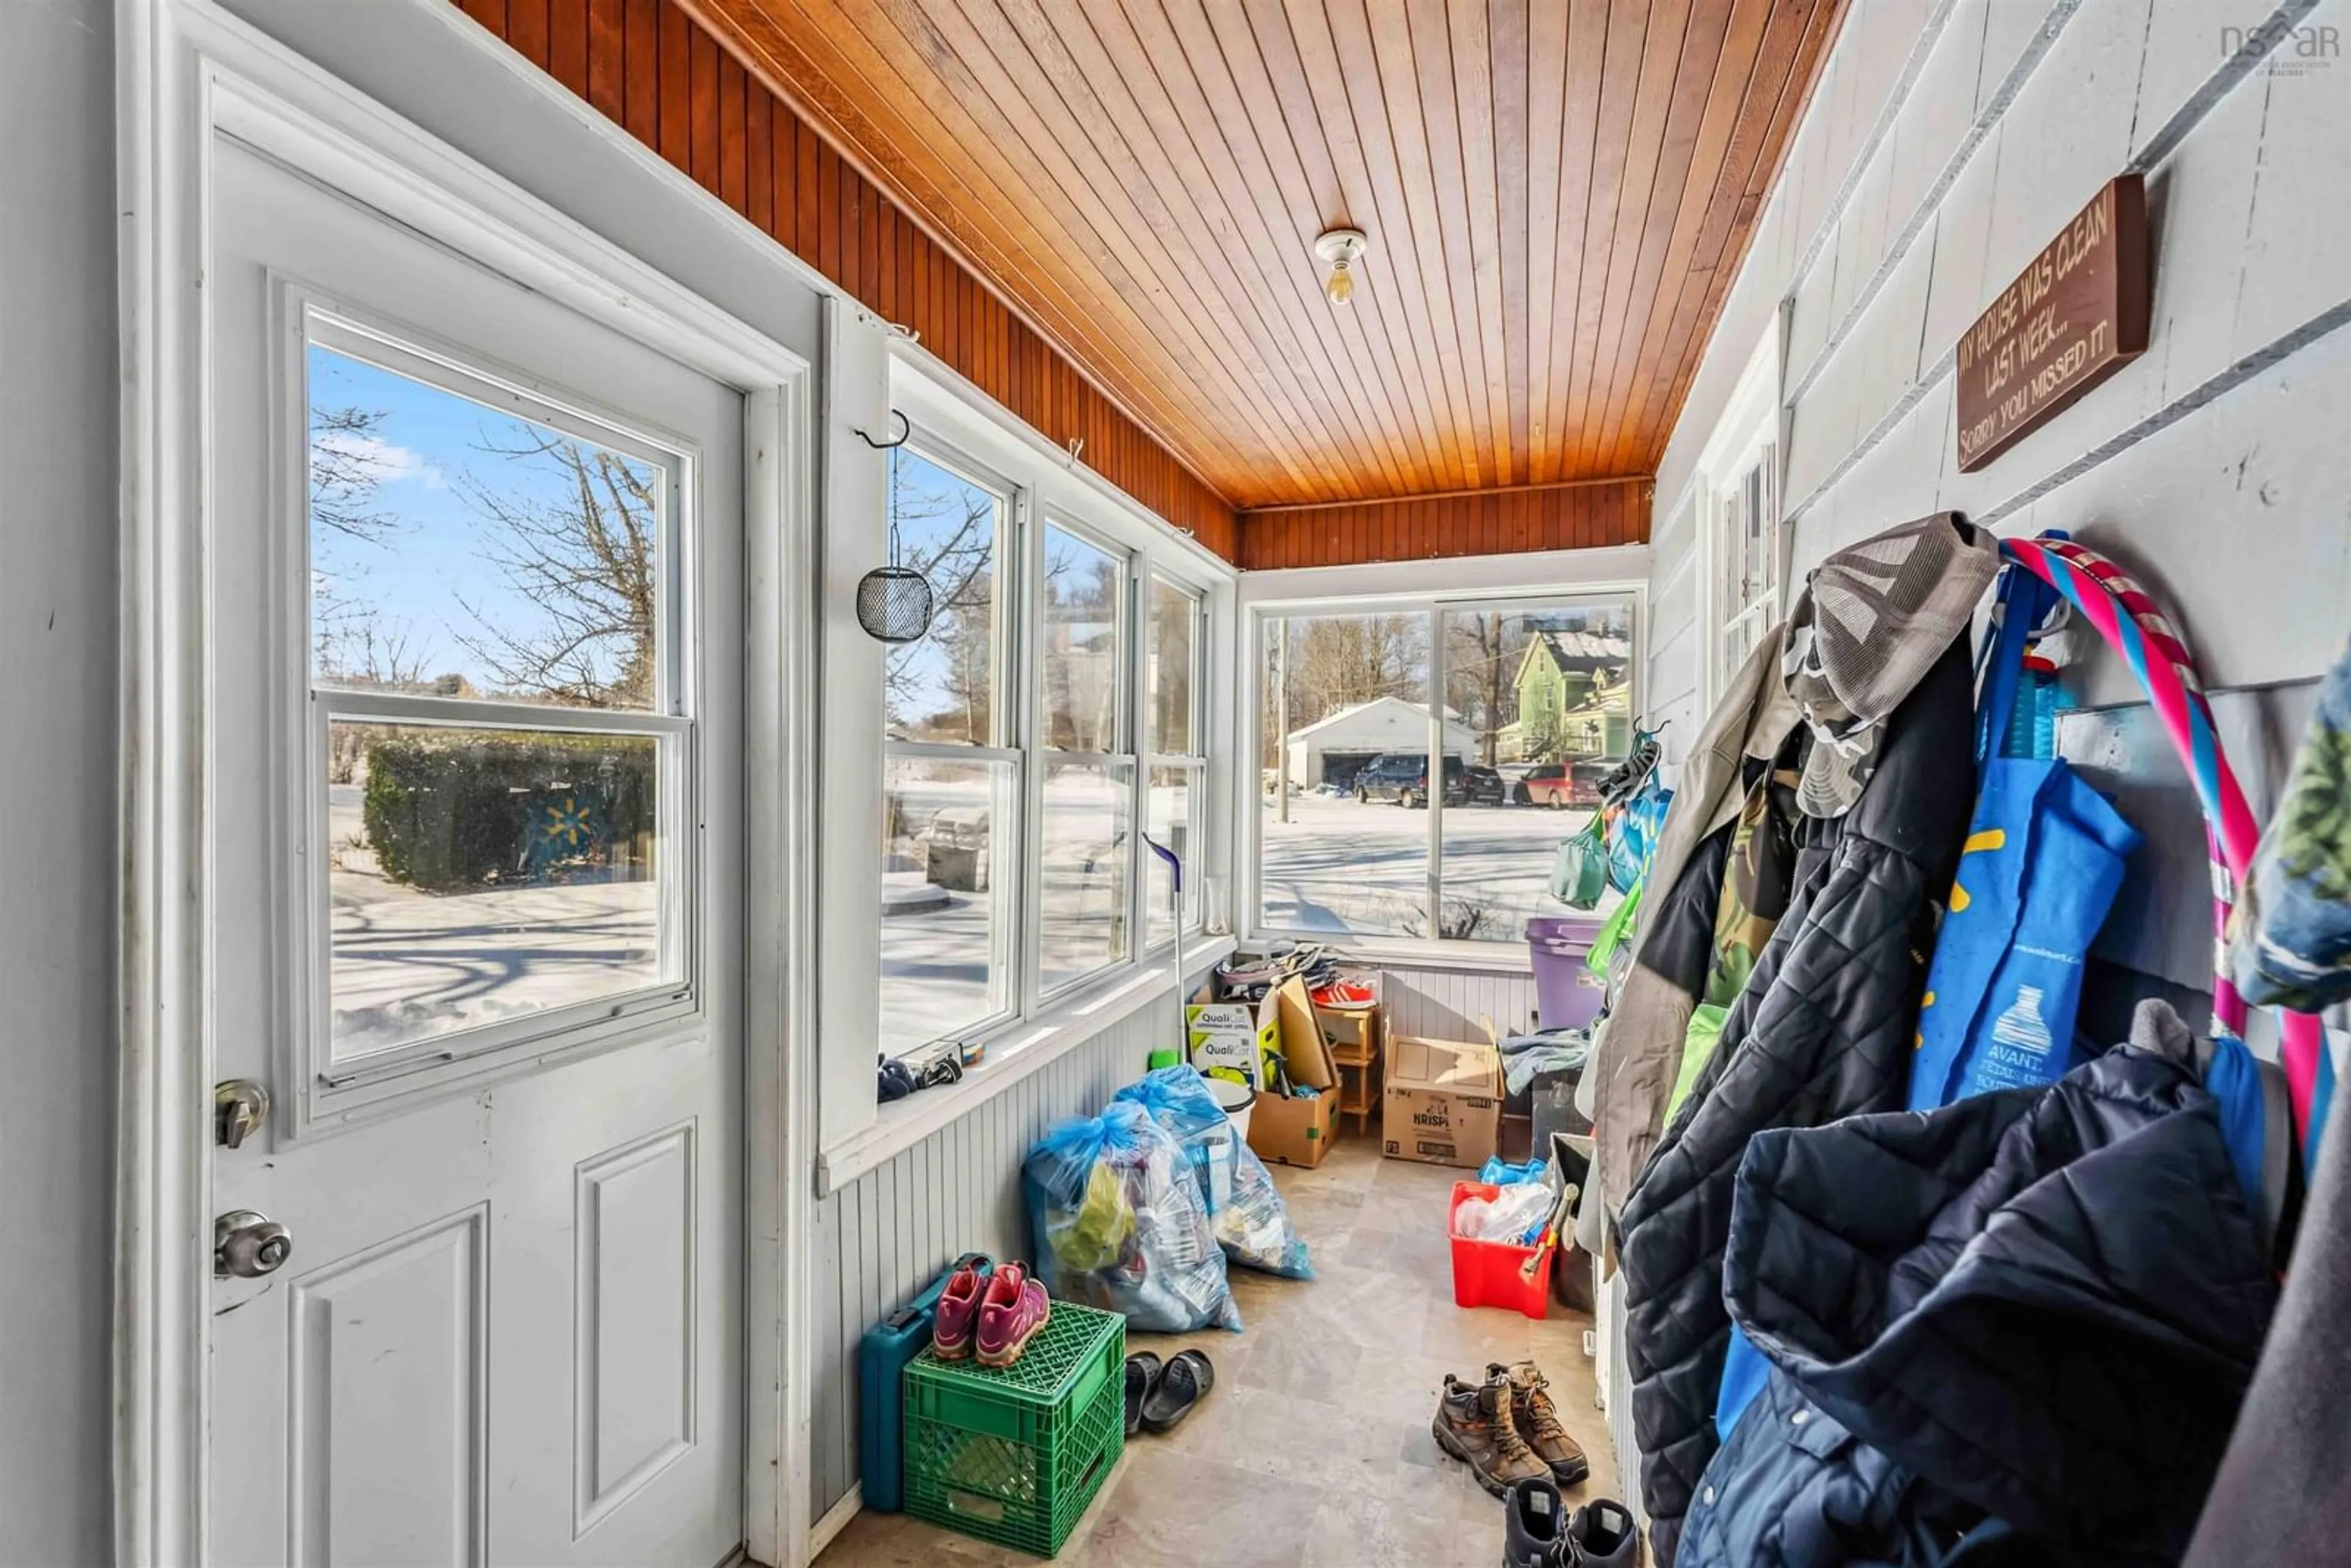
pixel 1340 249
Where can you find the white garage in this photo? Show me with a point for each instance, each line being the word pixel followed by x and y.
pixel 1332 748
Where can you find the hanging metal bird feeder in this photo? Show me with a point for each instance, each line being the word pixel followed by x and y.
pixel 894 601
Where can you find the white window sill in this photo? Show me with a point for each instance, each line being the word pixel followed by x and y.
pixel 1014 1052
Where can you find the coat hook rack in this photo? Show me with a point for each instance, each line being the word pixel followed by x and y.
pixel 1077 445
pixel 906 433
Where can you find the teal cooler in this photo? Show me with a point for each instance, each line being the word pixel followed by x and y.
pixel 888 1348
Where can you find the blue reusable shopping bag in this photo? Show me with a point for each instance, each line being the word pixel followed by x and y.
pixel 2044 857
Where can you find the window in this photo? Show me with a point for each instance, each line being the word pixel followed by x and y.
pixel 1343 741
pixel 1740 539
pixel 1747 563
pixel 501 707
pixel 1053 705
pixel 1358 836
pixel 1089 788
pixel 1178 765
pixel 951 820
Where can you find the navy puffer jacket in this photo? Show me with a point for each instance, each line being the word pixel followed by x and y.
pixel 2040 1307
pixel 1825 1029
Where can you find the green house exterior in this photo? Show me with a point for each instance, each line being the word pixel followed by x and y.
pixel 1574 699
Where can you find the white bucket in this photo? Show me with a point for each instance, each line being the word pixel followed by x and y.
pixel 1236 1101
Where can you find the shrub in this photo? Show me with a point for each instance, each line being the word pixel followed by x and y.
pixel 450 810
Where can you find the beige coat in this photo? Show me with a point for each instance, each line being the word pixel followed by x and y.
pixel 1640 1047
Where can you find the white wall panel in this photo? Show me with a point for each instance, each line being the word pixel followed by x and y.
pixel 1456 1004
pixel 57 625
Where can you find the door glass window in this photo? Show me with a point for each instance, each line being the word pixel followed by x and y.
pixel 501 725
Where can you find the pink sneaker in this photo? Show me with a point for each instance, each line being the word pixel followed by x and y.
pixel 957 1314
pixel 1015 1308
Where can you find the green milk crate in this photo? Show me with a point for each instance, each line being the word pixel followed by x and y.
pixel 1015 1456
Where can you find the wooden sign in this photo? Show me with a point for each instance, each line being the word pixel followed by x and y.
pixel 2072 318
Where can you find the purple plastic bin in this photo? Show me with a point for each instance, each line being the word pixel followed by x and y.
pixel 1567 994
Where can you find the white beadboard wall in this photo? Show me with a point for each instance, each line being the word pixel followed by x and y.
pixel 888 1233
pixel 1948 141
pixel 1450 1003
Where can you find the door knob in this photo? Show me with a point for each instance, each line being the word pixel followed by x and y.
pixel 248 1245
pixel 239 1107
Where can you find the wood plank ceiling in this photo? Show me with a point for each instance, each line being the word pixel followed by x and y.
pixel 1557 194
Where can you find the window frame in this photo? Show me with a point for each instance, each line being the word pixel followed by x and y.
pixel 1482 583
pixel 1010 721
pixel 1031 617
pixel 343 1089
pixel 1192 907
pixel 1048 493
pixel 1750 436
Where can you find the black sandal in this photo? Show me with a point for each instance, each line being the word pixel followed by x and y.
pixel 1183 1384
pixel 1143 1370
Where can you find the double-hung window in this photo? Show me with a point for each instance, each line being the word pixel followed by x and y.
pixel 951 823
pixel 1086 846
pixel 1421 762
pixel 1177 650
pixel 1054 706
pixel 1740 545
pixel 500 709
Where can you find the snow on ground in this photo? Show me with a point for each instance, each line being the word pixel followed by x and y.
pixel 1345 869
pixel 409 964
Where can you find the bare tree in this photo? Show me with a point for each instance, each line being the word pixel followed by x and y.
pixel 1482 653
pixel 345 473
pixel 953 548
pixel 588 559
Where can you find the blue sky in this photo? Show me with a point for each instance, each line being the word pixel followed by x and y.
pixel 428 445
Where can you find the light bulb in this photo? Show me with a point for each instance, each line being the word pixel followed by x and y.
pixel 1339 248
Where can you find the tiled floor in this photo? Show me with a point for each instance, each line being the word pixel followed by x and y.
pixel 1314 1447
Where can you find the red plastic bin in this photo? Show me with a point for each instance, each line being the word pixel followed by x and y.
pixel 1491 1273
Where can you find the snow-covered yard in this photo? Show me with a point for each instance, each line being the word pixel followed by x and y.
pixel 1343 869
pixel 408 964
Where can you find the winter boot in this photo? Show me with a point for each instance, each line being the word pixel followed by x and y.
pixel 1534 1522
pixel 1473 1424
pixel 1600 1535
pixel 1537 1419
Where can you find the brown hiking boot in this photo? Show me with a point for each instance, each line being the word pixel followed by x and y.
pixel 1474 1425
pixel 1537 1420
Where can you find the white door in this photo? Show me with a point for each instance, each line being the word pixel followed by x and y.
pixel 475 697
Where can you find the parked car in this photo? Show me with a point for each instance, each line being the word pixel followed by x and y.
pixel 1558 784
pixel 1402 778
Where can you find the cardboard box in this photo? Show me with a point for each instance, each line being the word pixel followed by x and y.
pixel 1443 1102
pixel 1304 1049
pixel 1293 1132
pixel 1236 1037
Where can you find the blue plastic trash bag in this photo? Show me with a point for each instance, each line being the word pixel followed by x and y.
pixel 1499 1172
pixel 1244 1208
pixel 1118 1224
